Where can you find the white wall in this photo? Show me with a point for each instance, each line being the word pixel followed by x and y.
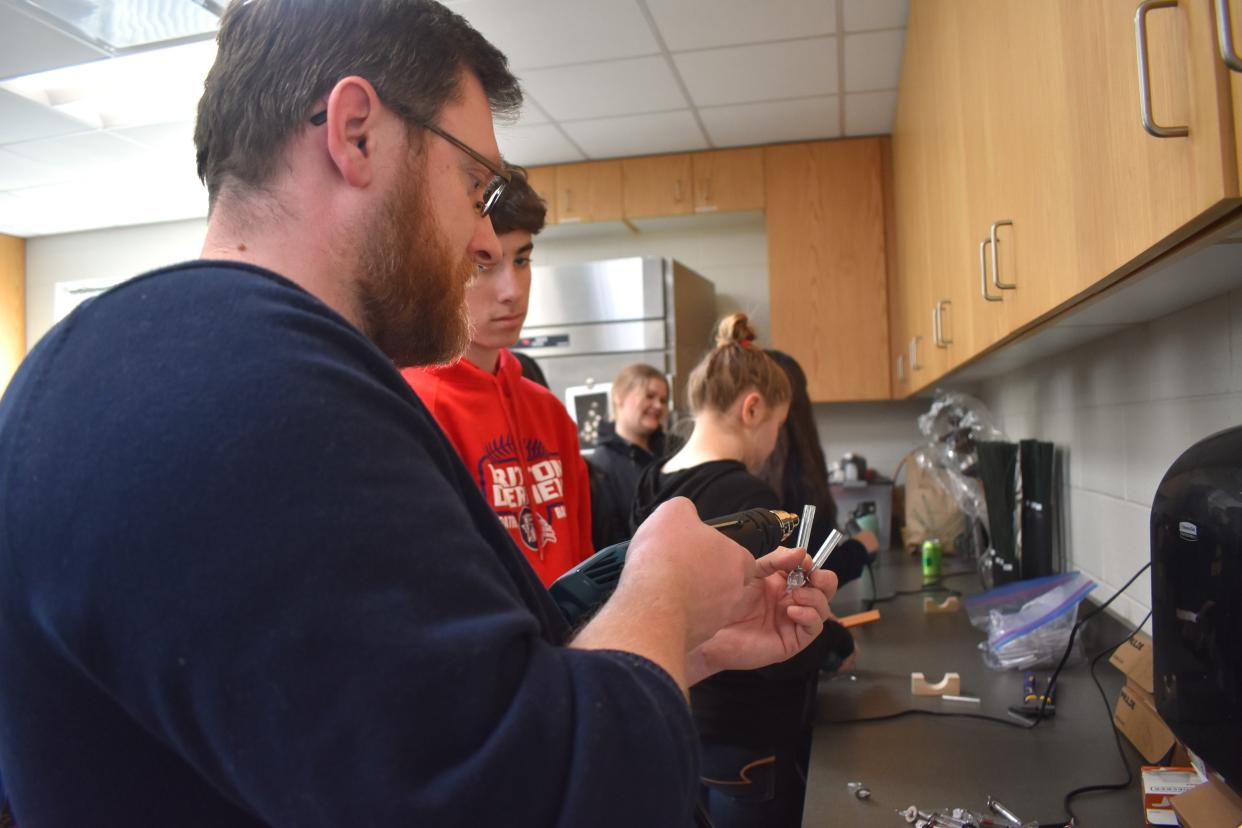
pixel 1125 407
pixel 116 254
pixel 731 251
pixel 882 432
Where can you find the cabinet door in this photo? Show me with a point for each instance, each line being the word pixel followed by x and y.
pixel 657 185
pixel 1017 131
pixel 1140 194
pixel 590 191
pixel 728 180
pixel 12 306
pixel 543 181
pixel 921 207
pixel 826 265
pixel 1233 19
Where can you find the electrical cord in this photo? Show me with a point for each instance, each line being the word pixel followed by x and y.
pixel 1065 803
pixel 932 586
pixel 1040 715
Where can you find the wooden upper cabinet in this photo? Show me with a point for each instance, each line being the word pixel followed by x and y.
pixel 1138 193
pixel 728 180
pixel 543 181
pixel 12 306
pixel 590 191
pixel 1234 8
pixel 827 272
pixel 657 185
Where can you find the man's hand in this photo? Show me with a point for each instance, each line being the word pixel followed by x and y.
pixel 682 582
pixel 770 625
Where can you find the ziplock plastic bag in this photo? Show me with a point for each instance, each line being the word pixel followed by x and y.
pixel 1036 633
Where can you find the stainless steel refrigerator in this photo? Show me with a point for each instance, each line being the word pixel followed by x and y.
pixel 585 322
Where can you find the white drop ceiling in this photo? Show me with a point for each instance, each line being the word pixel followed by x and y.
pixel 603 79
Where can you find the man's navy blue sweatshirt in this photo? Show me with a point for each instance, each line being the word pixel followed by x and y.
pixel 244 580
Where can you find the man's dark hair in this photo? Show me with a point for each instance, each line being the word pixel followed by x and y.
pixel 276 58
pixel 520 207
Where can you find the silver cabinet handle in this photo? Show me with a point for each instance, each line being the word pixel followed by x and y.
pixel 1224 37
pixel 1140 37
pixel 995 260
pixel 914 353
pixel 942 341
pixel 983 271
pixel 901 367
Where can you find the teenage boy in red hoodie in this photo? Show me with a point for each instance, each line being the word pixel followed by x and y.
pixel 514 435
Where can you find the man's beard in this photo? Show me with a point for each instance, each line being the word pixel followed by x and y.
pixel 411 287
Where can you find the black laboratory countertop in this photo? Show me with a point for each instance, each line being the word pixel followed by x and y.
pixel 936 762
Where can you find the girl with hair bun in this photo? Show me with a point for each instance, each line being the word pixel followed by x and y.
pixel 754 725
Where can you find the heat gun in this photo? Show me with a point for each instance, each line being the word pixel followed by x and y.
pixel 581 590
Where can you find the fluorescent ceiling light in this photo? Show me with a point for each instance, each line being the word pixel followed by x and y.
pixel 153 87
pixel 122 26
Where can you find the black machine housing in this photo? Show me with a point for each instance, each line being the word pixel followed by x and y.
pixel 1196 591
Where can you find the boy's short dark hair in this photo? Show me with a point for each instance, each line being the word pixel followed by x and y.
pixel 276 58
pixel 520 207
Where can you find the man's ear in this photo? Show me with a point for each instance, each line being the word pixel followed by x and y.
pixel 353 119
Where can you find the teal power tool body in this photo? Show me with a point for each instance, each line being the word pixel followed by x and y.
pixel 583 589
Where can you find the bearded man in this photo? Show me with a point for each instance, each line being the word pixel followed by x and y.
pixel 246 579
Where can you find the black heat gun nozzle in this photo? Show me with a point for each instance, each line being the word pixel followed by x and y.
pixel 583 589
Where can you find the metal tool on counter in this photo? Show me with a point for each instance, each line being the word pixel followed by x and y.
pixel 966 818
pixel 581 590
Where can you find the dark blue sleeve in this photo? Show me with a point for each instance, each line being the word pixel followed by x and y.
pixel 269 558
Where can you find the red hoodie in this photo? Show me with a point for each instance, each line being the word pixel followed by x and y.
pixel 521 447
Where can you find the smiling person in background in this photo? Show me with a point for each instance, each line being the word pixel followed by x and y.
pixel 627 445
pixel 513 434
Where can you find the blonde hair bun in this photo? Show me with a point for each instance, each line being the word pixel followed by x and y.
pixel 735 329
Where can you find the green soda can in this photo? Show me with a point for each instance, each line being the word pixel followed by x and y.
pixel 932 553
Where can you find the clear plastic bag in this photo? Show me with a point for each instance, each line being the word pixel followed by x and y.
pixel 954 426
pixel 1036 633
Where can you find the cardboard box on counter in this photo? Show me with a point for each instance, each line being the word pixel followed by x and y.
pixel 1160 785
pixel 1134 658
pixel 1210 805
pixel 1135 713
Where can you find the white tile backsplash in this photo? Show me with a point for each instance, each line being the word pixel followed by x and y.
pixel 1193 355
pixel 1235 339
pixel 1158 432
pixel 1122 409
pixel 1099 463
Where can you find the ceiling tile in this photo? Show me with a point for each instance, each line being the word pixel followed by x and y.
pixel 137 194
pixel 82 153
pixel 536 33
pixel 609 88
pixel 25 120
pixel 532 113
pixel 742 74
pixel 16 171
pixel 863 15
pixel 764 123
pixel 638 134
pixel 531 146
pixel 870 113
pixel 735 22
pixel 10 216
pixel 174 141
pixel 873 60
pixel 28 46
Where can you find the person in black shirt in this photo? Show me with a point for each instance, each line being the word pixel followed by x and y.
pixel 627 445
pixel 753 725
